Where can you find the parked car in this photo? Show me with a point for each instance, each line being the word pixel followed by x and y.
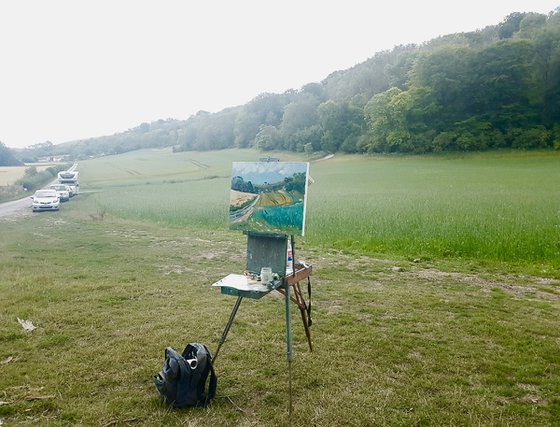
pixel 62 190
pixel 45 200
pixel 71 190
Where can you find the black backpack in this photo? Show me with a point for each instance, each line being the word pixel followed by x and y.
pixel 182 381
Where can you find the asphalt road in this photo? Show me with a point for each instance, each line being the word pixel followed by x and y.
pixel 22 207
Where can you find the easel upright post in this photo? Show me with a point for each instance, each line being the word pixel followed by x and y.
pixel 288 344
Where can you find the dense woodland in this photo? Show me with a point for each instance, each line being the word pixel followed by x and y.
pixel 498 87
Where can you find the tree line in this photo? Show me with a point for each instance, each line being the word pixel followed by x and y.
pixel 498 87
pixel 493 88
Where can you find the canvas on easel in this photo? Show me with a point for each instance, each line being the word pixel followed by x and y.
pixel 269 197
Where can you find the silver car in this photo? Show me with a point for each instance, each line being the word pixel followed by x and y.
pixel 45 200
pixel 62 190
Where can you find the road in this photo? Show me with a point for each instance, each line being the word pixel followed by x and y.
pixel 22 207
pixel 15 209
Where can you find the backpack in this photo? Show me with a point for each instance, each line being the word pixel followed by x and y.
pixel 182 380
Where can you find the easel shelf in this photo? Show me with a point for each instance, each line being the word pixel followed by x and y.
pixel 241 286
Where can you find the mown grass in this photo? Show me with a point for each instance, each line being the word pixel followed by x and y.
pixel 395 342
pixel 418 319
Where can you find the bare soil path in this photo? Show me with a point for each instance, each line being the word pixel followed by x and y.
pixel 15 209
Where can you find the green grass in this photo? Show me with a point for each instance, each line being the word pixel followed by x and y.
pixel 490 208
pixel 494 208
pixel 411 345
pixel 402 336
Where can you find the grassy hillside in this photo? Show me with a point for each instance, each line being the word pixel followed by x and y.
pixel 125 268
pixel 491 208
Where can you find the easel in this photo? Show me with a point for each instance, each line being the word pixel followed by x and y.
pixel 269 250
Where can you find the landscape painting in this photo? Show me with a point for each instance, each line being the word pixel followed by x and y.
pixel 269 197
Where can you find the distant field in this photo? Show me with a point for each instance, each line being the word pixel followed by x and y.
pixel 175 189
pixel 491 207
pixel 9 175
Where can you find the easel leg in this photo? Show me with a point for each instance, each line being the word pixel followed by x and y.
pixel 228 326
pixel 304 316
pixel 299 300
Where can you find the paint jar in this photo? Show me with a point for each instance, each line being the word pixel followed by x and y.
pixel 289 259
pixel 266 275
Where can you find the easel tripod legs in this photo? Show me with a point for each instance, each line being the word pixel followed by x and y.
pixel 306 319
pixel 228 326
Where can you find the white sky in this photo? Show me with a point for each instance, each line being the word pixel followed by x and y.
pixel 73 69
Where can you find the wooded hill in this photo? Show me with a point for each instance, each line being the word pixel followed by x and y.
pixel 7 157
pixel 491 88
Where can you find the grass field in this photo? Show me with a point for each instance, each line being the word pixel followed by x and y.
pixel 403 335
pixel 492 208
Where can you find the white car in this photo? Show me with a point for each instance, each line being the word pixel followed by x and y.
pixel 71 189
pixel 45 200
pixel 62 190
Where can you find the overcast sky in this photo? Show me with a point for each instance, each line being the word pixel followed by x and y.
pixel 73 69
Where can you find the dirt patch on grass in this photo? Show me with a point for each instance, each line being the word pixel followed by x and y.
pixel 510 284
pixel 380 272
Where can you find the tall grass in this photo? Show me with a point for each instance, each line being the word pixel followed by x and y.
pixel 504 208
pixel 494 207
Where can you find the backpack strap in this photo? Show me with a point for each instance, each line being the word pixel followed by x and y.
pixel 213 384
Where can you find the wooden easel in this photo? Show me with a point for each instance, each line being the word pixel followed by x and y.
pixel 269 250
